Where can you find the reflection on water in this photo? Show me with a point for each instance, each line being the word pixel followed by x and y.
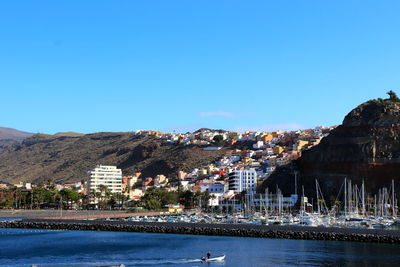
pixel 23 247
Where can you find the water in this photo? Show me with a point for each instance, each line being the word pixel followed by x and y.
pixel 23 247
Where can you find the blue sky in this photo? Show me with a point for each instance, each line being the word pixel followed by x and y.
pixel 91 66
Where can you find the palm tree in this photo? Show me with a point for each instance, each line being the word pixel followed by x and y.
pixel 105 194
pixel 120 199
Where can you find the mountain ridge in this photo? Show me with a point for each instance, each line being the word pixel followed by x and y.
pixel 10 137
pixel 63 158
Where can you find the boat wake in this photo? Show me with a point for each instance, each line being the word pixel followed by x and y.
pixel 127 263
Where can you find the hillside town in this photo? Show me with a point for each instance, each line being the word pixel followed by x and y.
pixel 248 159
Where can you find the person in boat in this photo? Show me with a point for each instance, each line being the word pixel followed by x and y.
pixel 207 257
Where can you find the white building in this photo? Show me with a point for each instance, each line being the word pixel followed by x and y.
pixel 212 187
pixel 258 145
pixel 229 200
pixel 214 200
pixel 243 180
pixel 109 176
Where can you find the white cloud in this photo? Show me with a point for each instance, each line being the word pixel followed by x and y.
pixel 292 126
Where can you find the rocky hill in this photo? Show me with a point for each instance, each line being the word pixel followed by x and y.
pixel 365 147
pixel 9 137
pixel 68 157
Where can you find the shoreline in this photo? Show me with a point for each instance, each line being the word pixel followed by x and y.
pixel 238 230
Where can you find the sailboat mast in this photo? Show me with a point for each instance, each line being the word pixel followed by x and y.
pixel 345 197
pixel 316 188
pixel 393 200
pixel 356 197
pixel 349 195
pixel 302 199
pixel 267 203
pixel 363 198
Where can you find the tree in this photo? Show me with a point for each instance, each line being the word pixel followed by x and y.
pixel 186 198
pixel 40 195
pixel 7 198
pixel 205 198
pixel 118 199
pixel 157 198
pixel 105 195
pixel 218 139
pixel 70 196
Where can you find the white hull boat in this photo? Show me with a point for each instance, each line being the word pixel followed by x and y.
pixel 220 258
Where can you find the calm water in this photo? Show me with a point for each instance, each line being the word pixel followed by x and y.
pixel 21 247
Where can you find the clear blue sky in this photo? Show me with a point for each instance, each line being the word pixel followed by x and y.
pixel 91 66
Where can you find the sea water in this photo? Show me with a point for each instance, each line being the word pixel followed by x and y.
pixel 24 247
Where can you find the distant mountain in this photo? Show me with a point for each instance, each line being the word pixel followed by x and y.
pixel 68 157
pixel 10 137
pixel 13 134
pixel 365 147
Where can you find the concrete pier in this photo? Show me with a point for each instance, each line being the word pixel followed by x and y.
pixel 239 230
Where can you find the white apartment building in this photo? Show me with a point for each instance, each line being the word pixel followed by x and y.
pixel 243 180
pixel 109 176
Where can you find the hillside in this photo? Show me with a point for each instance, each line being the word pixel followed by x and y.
pixel 67 158
pixel 10 137
pixel 365 147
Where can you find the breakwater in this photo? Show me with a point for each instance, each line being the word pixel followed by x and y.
pixel 239 230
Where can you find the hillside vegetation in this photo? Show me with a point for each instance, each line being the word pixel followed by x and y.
pixel 67 158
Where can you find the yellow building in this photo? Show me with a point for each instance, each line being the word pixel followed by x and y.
pixel 266 138
pixel 247 159
pixel 203 171
pixel 160 179
pixel 278 149
pixel 134 193
pixel 175 208
pixel 210 168
pixel 300 145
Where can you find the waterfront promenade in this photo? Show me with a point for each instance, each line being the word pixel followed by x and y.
pixel 240 230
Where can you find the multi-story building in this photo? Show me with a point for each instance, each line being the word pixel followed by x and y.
pixel 243 180
pixel 109 176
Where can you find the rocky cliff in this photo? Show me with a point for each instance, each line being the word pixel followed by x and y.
pixel 365 147
pixel 67 158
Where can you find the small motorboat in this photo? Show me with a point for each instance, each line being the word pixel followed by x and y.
pixel 219 258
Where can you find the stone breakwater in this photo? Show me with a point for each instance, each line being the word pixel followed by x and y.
pixel 240 230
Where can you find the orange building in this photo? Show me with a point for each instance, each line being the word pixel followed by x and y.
pixel 266 138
